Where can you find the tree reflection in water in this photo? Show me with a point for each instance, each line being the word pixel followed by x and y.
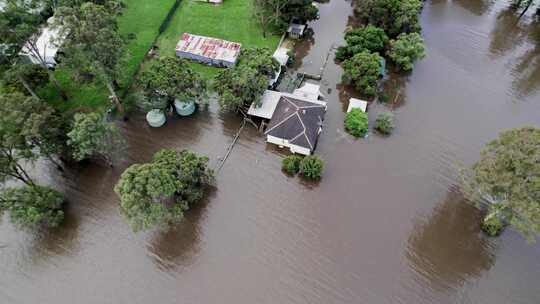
pixel 448 249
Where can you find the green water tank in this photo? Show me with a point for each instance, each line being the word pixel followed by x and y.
pixel 156 118
pixel 184 108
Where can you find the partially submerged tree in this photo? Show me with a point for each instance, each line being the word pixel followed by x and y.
pixel 363 70
pixel 29 206
pixel 311 167
pixel 507 179
pixel 356 123
pixel 93 136
pixel 406 49
pixel 394 16
pixel 156 194
pixel 369 38
pixel 93 42
pixel 172 77
pixel 384 123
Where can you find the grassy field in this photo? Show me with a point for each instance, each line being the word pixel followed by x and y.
pixel 231 21
pixel 141 18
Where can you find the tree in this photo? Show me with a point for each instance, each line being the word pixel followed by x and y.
pixel 245 83
pixel 93 42
pixel 32 205
pixel 384 123
pixel 291 164
pixel 24 78
pixel 29 129
pixel 19 28
pixel 279 13
pixel 158 193
pixel 311 167
pixel 356 123
pixel 172 77
pixel 92 136
pixel 394 16
pixel 507 178
pixel 369 38
pixel 407 49
pixel 363 70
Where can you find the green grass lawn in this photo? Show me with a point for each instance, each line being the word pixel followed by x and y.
pixel 142 18
pixel 231 21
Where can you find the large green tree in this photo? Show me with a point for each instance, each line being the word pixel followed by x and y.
pixel 406 49
pixel 245 83
pixel 93 42
pixel 369 38
pixel 156 194
pixel 277 14
pixel 363 70
pixel 394 16
pixel 172 77
pixel 93 136
pixel 507 178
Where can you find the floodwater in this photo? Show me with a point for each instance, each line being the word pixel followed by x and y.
pixel 386 224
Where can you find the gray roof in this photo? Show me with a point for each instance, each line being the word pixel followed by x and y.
pixel 297 121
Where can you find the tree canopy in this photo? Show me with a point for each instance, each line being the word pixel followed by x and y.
pixel 245 83
pixel 369 38
pixel 363 70
pixel 356 123
pixel 394 16
pixel 507 177
pixel 158 193
pixel 172 77
pixel 93 136
pixel 406 49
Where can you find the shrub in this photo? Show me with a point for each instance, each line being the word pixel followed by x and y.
pixel 394 16
pixel 492 226
pixel 363 70
pixel 384 123
pixel 369 38
pixel 356 123
pixel 291 164
pixel 406 49
pixel 311 167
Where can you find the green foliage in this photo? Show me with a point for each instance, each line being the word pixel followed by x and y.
pixel 363 69
pixel 406 49
pixel 311 167
pixel 158 193
pixel 369 38
pixel 171 77
pixel 34 75
pixel 507 177
pixel 492 226
pixel 384 123
pixel 394 16
pixel 92 136
pixel 32 205
pixel 301 10
pixel 291 164
pixel 28 129
pixel 245 83
pixel 356 123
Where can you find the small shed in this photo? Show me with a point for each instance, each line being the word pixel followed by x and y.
pixel 296 30
pixel 208 50
pixel 357 104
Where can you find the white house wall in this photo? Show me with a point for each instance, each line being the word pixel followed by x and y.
pixel 285 143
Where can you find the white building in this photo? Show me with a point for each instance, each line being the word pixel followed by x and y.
pixel 46 46
pixel 212 51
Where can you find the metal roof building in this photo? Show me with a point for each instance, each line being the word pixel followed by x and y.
pixel 212 51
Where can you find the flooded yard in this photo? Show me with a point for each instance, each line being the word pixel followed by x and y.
pixel 386 224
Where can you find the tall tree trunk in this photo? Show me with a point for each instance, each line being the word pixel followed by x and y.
pixel 28 88
pixel 114 98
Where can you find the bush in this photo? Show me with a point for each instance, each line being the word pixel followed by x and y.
pixel 291 164
pixel 369 38
pixel 406 49
pixel 394 16
pixel 311 167
pixel 356 123
pixel 384 123
pixel 492 226
pixel 363 70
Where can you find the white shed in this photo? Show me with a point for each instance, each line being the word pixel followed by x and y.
pixel 357 104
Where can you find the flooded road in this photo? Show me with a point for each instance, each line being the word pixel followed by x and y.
pixel 386 224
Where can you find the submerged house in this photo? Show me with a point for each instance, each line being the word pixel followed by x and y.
pixel 293 121
pixel 207 50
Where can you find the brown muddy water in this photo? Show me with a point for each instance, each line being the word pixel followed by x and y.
pixel 386 224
